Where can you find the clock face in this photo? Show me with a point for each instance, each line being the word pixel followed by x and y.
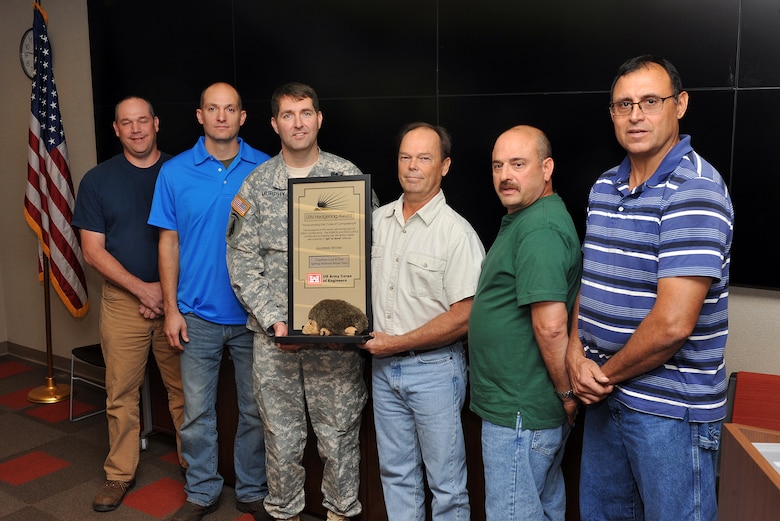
pixel 27 53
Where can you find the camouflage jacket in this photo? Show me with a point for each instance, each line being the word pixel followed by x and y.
pixel 257 238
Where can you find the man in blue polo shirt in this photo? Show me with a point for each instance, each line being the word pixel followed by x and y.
pixel 648 356
pixel 191 206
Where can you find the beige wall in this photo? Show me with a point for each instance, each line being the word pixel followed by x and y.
pixel 755 314
pixel 754 330
pixel 22 320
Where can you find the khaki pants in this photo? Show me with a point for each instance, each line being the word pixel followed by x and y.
pixel 126 337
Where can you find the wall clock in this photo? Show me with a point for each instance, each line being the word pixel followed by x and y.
pixel 27 53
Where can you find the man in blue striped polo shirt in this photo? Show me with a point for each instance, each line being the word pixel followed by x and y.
pixel 647 358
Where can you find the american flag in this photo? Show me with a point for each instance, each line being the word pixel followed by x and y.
pixel 49 198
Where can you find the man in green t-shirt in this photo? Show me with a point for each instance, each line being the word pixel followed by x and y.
pixel 518 333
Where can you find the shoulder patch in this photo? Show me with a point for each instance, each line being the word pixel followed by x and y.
pixel 240 206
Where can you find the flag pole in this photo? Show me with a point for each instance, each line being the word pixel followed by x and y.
pixel 48 203
pixel 51 391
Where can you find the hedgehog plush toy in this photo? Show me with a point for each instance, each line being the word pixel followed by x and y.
pixel 335 317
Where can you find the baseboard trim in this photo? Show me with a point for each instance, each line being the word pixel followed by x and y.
pixel 60 364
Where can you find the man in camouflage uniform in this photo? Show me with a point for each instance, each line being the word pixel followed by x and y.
pixel 289 378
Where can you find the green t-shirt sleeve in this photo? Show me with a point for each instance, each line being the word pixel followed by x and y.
pixel 542 263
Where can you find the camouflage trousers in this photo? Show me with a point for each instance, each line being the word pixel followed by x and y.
pixel 330 385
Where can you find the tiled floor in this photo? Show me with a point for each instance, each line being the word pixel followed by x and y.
pixel 50 468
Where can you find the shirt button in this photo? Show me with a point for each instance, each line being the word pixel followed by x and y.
pixel 620 208
pixel 224 182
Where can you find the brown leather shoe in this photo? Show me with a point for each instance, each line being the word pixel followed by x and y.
pixel 255 508
pixel 192 512
pixel 111 494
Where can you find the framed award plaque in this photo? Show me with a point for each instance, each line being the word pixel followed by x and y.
pixel 329 251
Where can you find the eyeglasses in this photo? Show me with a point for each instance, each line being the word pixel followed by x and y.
pixel 647 105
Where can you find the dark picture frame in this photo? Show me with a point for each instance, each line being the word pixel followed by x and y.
pixel 329 251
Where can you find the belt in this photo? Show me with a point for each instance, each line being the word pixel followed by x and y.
pixel 412 352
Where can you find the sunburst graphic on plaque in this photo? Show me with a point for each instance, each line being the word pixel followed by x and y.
pixel 332 201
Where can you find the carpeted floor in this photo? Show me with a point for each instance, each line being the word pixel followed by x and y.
pixel 51 468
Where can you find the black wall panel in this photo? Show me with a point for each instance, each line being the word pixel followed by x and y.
pixel 477 68
pixel 343 48
pixel 756 258
pixel 496 46
pixel 760 44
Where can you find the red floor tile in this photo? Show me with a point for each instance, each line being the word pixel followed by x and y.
pixel 12 368
pixel 80 408
pixel 162 498
pixel 17 399
pixel 29 467
pixel 159 499
pixel 171 457
pixel 57 412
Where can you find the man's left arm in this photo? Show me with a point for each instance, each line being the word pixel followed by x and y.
pixel 550 321
pixel 588 382
pixel 663 331
pixel 444 329
pixel 149 294
pixel 700 207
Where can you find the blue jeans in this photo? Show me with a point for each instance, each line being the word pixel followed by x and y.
pixel 638 466
pixel 523 477
pixel 200 363
pixel 417 406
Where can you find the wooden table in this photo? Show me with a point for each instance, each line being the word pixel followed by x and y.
pixel 749 485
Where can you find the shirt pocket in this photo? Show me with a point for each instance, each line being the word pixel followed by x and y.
pixel 426 276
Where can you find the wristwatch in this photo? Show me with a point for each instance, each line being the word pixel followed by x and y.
pixel 565 395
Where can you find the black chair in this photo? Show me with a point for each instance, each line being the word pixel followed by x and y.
pixel 91 355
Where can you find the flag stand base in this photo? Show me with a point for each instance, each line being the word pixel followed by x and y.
pixel 51 392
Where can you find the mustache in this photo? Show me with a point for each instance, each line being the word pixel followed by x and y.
pixel 508 184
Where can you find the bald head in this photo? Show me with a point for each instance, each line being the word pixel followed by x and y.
pixel 527 132
pixel 522 167
pixel 223 88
